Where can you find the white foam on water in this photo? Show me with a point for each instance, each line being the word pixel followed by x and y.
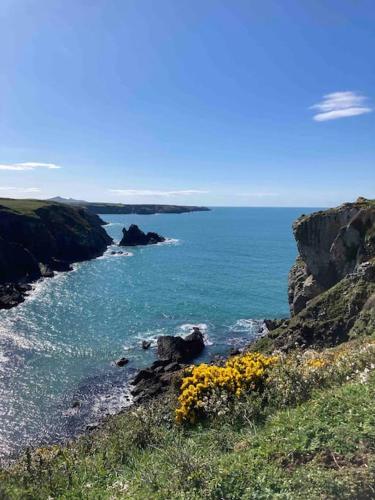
pixel 246 326
pixel 169 241
pixel 109 255
pixel 187 328
pixel 113 402
pixel 244 330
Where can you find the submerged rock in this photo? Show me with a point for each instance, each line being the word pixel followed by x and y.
pixel 122 362
pixel 135 236
pixel 146 344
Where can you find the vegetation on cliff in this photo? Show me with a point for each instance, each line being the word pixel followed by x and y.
pixel 121 208
pixel 297 423
pixel 308 433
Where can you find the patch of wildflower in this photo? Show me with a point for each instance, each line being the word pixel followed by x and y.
pixel 208 389
pixel 298 374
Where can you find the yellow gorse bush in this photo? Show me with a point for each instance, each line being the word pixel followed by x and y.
pixel 207 387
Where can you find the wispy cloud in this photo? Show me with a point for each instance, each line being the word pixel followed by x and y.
pixel 151 192
pixel 29 165
pixel 20 189
pixel 341 105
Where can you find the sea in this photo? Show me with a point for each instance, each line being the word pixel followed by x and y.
pixel 224 271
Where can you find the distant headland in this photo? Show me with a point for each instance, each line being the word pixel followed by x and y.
pixel 121 208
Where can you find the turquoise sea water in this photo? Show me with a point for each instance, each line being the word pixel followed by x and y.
pixel 221 269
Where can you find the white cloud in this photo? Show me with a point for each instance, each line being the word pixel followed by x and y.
pixel 20 189
pixel 151 192
pixel 30 165
pixel 340 105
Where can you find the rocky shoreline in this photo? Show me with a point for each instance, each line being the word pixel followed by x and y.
pixel 39 238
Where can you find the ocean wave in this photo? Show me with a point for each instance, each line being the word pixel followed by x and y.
pixel 187 328
pixel 249 326
pixel 169 241
pixel 109 255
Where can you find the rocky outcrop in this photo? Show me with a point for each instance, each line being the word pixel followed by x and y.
pixel 174 353
pixel 331 244
pixel 134 237
pixel 37 238
pixel 180 349
pixel 332 283
pixel 155 380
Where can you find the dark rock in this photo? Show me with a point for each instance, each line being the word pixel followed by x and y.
pixel 122 362
pixel 134 236
pixel 272 324
pixel 60 265
pixel 147 389
pixel 10 296
pixel 76 404
pixel 172 367
pixel 179 349
pixel 113 252
pixel 146 344
pixel 159 362
pixel 234 351
pixel 145 374
pixel 159 369
pixel 38 238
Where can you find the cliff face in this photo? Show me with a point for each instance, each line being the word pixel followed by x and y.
pixel 331 244
pixel 37 238
pixel 332 283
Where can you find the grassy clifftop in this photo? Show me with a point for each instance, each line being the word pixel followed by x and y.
pixel 310 433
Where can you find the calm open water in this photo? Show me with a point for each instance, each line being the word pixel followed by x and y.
pixel 222 270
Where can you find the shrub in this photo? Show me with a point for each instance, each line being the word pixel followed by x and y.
pixel 208 389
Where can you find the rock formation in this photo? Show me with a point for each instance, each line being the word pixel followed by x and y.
pixel 134 237
pixel 332 283
pixel 37 238
pixel 179 349
pixel 173 353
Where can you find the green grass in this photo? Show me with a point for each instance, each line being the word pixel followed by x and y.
pixel 318 444
pixel 26 207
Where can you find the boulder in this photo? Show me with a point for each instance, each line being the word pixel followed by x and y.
pixel 122 362
pixel 135 236
pixel 179 349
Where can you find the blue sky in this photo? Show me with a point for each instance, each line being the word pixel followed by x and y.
pixel 189 101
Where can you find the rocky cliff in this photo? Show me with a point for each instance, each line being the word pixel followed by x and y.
pixel 332 283
pixel 39 237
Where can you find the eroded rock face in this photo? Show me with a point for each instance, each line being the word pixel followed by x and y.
pixel 332 283
pixel 135 236
pixel 36 242
pixel 331 244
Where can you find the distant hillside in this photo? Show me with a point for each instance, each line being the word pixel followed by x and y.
pixel 121 208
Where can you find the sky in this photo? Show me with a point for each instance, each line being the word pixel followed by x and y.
pixel 214 102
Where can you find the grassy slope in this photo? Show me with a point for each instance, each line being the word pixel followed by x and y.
pixel 26 207
pixel 315 444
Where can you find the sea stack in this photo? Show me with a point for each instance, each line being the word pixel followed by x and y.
pixel 135 236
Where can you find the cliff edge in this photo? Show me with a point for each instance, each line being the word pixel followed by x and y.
pixel 332 283
pixel 38 237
